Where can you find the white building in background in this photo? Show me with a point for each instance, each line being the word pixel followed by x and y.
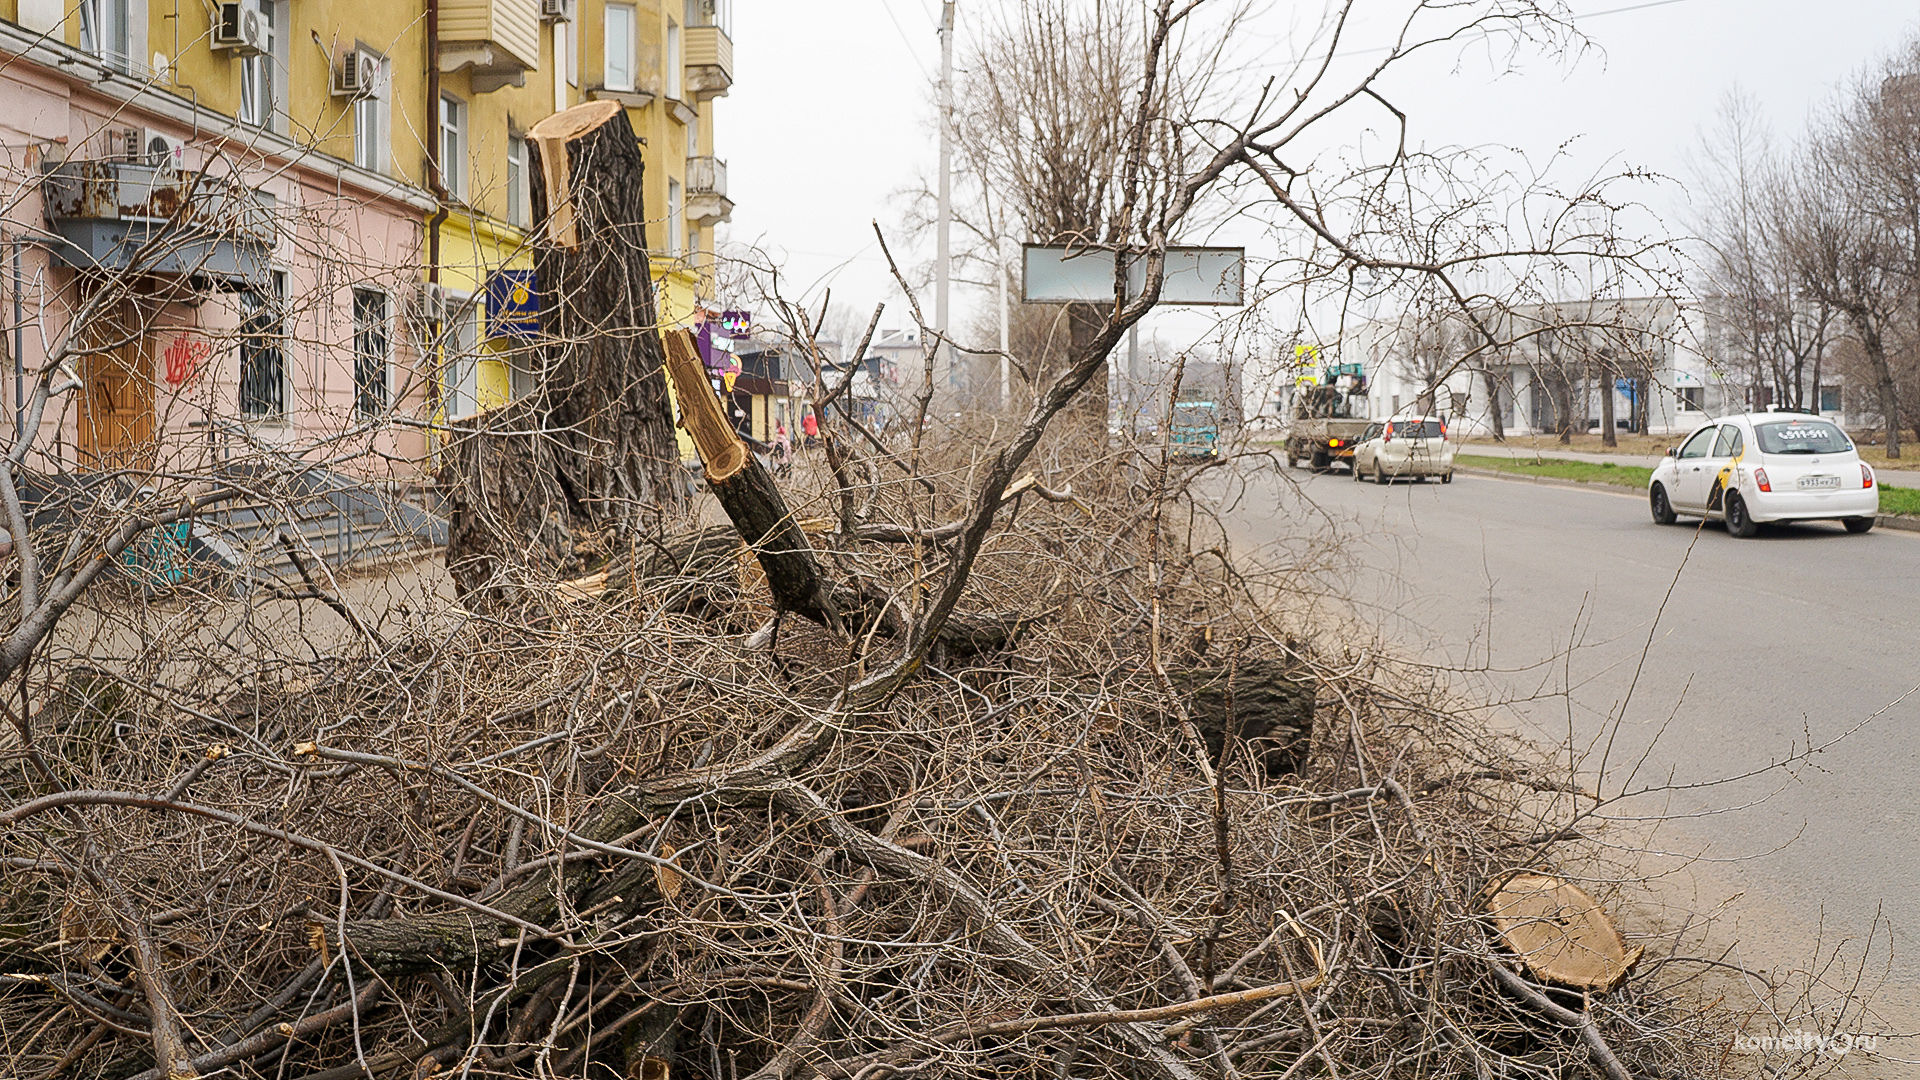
pixel 1654 357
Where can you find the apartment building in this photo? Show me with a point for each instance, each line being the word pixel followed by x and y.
pixel 282 222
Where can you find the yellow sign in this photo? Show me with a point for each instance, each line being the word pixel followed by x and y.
pixel 1306 356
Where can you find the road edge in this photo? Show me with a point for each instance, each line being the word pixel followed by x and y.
pixel 1885 521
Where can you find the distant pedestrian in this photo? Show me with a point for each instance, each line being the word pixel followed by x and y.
pixel 809 427
pixel 782 446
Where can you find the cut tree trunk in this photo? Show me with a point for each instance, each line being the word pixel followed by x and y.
pixel 592 451
pixel 509 517
pixel 748 494
pixel 604 384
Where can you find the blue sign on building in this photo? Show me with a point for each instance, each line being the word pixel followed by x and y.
pixel 513 308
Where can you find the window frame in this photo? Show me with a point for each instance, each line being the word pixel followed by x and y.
pixel 629 62
pixel 1729 442
pixel 676 207
pixel 116 54
pixel 676 60
pixel 452 133
pixel 372 390
pixel 460 351
pixel 370 119
pixel 1705 437
pixel 518 204
pixel 260 103
pixel 267 338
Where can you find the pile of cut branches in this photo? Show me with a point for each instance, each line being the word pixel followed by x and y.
pixel 1155 832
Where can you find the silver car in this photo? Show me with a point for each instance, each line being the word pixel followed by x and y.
pixel 1411 446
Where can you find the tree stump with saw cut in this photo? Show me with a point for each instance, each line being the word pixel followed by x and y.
pixel 592 450
pixel 608 408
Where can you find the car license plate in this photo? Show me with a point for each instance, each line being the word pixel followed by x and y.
pixel 1816 482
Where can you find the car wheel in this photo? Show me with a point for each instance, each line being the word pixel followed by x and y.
pixel 1353 470
pixel 1447 477
pixel 1319 462
pixel 1379 477
pixel 1292 462
pixel 1662 508
pixel 1739 522
pixel 1858 525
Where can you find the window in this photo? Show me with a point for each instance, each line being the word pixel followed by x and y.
pixel 461 348
pixel 258 96
pixel 1830 398
pixel 263 357
pixel 370 119
pixel 674 62
pixel 1697 446
pixel 1729 442
pixel 372 341
pixel 453 146
pixel 516 180
pixel 673 216
pixel 1689 398
pixel 1801 437
pixel 104 29
pixel 710 13
pixel 620 34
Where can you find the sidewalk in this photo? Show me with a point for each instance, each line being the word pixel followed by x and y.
pixel 1891 477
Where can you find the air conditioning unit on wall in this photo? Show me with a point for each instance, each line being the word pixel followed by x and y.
pixel 356 74
pixel 556 10
pixel 164 150
pixel 238 27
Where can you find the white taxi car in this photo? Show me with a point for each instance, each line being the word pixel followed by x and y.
pixel 1761 467
pixel 1411 446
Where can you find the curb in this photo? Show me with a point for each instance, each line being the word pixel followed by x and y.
pixel 1549 481
pixel 1902 522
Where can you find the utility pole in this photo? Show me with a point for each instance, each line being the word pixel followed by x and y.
pixel 943 357
pixel 1006 339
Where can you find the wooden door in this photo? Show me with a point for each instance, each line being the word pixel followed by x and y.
pixel 116 406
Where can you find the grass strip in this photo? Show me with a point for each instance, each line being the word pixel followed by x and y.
pixel 1592 472
pixel 1893 500
pixel 1897 500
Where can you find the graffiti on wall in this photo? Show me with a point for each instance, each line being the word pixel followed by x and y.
pixel 185 358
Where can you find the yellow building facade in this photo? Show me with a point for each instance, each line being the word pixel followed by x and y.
pixel 387 135
pixel 666 61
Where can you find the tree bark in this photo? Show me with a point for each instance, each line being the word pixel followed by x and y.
pixel 593 450
pixel 752 502
pixel 604 385
pixel 508 516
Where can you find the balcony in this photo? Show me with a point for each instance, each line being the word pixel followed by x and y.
pixel 499 40
pixel 709 71
pixel 129 216
pixel 707 202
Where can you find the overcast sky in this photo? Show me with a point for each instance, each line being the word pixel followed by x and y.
pixel 829 115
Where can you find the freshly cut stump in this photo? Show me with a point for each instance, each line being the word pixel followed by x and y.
pixel 1559 932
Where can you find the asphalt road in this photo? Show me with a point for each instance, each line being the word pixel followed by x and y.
pixel 1549 597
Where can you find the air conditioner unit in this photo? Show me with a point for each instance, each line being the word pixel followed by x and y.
pixel 163 150
pixel 556 10
pixel 239 28
pixel 126 146
pixel 356 74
